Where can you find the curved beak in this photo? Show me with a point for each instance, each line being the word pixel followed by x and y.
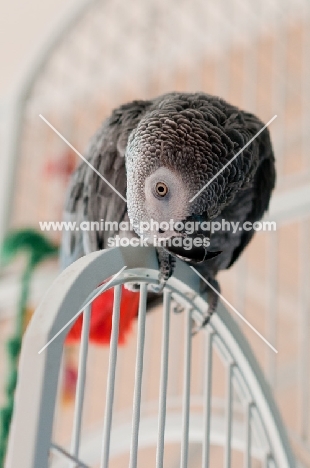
pixel 196 254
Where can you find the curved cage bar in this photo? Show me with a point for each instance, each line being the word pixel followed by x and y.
pixel 243 422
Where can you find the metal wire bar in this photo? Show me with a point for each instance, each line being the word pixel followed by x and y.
pixel 305 91
pixel 279 75
pixel 61 451
pixel 111 378
pixel 207 399
pixel 175 357
pixel 272 305
pixel 223 75
pixel 248 436
pixel 304 348
pixel 269 462
pixel 163 381
pixel 241 277
pixel 250 76
pixel 186 389
pixel 80 391
pixel 259 430
pixel 138 377
pixel 148 349
pixel 229 403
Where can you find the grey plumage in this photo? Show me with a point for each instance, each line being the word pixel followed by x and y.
pixel 183 139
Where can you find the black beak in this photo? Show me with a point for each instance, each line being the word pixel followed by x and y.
pixel 195 254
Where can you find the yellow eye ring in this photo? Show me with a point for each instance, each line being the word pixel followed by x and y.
pixel 161 189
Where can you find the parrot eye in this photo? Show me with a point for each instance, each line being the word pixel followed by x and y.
pixel 161 189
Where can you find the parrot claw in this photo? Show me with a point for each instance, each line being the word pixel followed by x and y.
pixel 158 288
pixel 134 287
pixel 204 323
pixel 178 308
pixel 212 305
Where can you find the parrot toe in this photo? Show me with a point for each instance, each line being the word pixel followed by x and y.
pixel 133 287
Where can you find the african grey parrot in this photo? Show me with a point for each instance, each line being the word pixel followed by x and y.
pixel 159 153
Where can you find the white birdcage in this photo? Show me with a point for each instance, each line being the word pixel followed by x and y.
pixel 244 425
pixel 255 55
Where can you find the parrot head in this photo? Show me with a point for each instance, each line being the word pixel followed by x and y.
pixel 170 156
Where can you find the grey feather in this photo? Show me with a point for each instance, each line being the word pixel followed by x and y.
pixel 89 198
pixel 184 139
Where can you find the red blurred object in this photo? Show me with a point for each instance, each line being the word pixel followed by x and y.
pixel 101 318
pixel 69 383
pixel 61 166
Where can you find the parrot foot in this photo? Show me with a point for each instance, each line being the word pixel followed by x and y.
pixel 133 287
pixel 198 328
pixel 178 308
pixel 158 288
pixel 166 268
pixel 212 303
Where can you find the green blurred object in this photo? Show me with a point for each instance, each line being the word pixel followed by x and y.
pixel 37 248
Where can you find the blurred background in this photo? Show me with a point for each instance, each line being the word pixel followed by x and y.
pixel 73 62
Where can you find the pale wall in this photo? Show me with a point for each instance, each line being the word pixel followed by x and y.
pixel 24 24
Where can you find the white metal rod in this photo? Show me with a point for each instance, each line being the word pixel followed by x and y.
pixel 148 349
pixel 225 39
pixel 80 391
pixel 259 431
pixel 138 377
pixel 272 305
pixel 269 462
pixel 248 421
pixel 175 355
pixel 163 380
pixel 279 77
pixel 250 74
pixel 229 395
pixel 111 377
pixel 305 90
pixel 207 399
pixel 304 320
pixel 186 389
pixel 241 287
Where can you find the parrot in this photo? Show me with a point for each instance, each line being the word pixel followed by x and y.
pixel 160 155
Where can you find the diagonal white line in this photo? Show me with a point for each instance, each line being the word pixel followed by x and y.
pixel 84 307
pixel 82 157
pixel 235 310
pixel 232 159
pixel 68 456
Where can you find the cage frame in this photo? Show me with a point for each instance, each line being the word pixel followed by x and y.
pixel 35 399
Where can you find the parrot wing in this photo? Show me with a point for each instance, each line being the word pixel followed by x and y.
pixel 264 179
pixel 89 197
